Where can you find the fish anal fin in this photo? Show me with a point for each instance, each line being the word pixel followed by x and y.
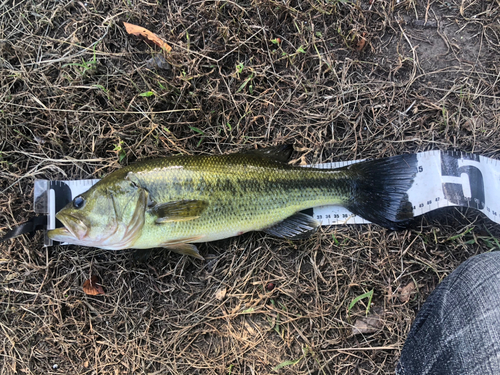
pixel 184 210
pixel 295 227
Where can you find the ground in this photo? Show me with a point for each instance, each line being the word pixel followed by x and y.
pixel 339 80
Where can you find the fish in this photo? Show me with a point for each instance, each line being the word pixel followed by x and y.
pixel 178 201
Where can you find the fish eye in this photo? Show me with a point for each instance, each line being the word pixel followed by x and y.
pixel 78 202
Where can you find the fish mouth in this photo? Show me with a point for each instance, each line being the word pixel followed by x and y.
pixel 60 234
pixel 74 228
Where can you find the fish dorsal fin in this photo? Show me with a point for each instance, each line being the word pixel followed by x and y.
pixel 279 153
pixel 295 227
pixel 184 210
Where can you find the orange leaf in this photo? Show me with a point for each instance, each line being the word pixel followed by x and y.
pixel 152 37
pixel 407 292
pixel 91 287
pixel 361 42
pixel 368 324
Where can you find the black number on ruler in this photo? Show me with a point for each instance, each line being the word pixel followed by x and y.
pixel 63 195
pixel 454 191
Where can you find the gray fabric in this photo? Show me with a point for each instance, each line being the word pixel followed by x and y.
pixel 457 330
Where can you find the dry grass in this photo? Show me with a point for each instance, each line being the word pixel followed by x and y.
pixel 70 107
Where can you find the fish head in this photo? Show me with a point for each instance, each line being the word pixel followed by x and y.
pixel 108 216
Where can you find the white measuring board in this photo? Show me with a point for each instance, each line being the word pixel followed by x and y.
pixel 444 178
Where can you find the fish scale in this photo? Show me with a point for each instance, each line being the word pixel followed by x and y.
pixel 244 192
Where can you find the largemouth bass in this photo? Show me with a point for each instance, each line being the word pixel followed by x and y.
pixel 177 201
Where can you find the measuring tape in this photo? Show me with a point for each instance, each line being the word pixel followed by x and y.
pixel 444 179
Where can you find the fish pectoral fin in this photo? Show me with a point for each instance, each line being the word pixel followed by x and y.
pixel 295 227
pixel 185 249
pixel 184 210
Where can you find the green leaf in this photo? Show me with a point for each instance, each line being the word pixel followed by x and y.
pixel 118 147
pixel 245 83
pixel 248 311
pixel 239 67
pixel 121 155
pixel 199 131
pixel 286 363
pixel 368 295
pixel 301 50
pixel 335 240
pixel 121 152
pixel 461 234
pixel 147 93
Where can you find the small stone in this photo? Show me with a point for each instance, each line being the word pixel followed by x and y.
pixel 158 62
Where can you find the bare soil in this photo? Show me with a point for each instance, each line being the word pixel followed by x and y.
pixel 339 80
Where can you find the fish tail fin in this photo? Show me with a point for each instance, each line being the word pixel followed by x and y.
pixel 380 189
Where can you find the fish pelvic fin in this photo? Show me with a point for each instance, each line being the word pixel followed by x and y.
pixel 295 227
pixel 182 247
pixel 380 187
pixel 184 210
pixel 185 249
